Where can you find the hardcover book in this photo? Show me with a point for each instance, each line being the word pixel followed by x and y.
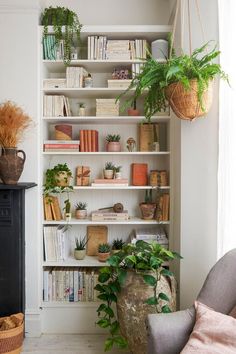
pixel 139 174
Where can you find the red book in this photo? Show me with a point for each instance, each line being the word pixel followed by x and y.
pixel 96 142
pixel 93 140
pixel 86 140
pixel 82 140
pixel 139 174
pixel 90 140
pixel 61 146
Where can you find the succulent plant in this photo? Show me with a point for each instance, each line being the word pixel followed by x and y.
pixel 117 244
pixel 104 248
pixel 117 168
pixel 81 206
pixel 109 166
pixel 81 243
pixel 113 138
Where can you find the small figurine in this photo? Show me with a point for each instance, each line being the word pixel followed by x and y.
pixel 131 144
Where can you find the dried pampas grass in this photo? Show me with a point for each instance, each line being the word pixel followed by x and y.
pixel 13 122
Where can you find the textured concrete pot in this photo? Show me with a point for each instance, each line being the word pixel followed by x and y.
pixel 11 165
pixel 79 254
pixel 132 310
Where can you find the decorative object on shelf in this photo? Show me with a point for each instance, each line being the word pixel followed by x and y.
pixel 107 107
pixel 67 209
pixel 118 84
pixel 88 81
pixel 109 214
pixel 83 176
pixel 131 144
pixel 163 205
pixel 109 170
pixel 59 17
pixel 81 110
pixel 117 171
pixel 158 178
pixel 58 179
pixel 149 137
pixel 102 182
pixel 52 210
pixel 81 210
pixel 13 123
pixel 12 333
pixel 74 53
pixel 117 245
pixel 160 49
pixel 148 208
pixel 89 140
pixel 133 111
pixel 63 132
pixel 113 143
pixel 139 174
pixel 121 73
pixel 80 247
pixel 96 235
pixel 117 208
pixel 139 284
pixel 104 250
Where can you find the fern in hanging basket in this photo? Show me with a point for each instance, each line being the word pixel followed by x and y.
pixel 185 82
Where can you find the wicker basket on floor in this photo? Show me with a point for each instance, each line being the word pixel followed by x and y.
pixel 11 340
pixel 185 103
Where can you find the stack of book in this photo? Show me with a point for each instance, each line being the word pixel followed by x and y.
pixel 119 84
pixel 54 83
pixel 163 205
pixel 118 49
pixel 110 182
pixel 107 215
pixel 89 141
pixel 138 49
pixel 61 145
pixel 75 76
pixel 56 106
pixel 56 243
pixel 69 285
pixel 107 107
pixel 97 47
pixel 151 234
pixel 52 210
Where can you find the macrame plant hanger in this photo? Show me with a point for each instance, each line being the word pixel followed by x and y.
pixel 196 107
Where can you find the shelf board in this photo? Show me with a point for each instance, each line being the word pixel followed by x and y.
pixel 105 120
pixel 131 221
pixel 114 187
pixel 88 92
pixel 56 304
pixel 140 153
pixel 88 261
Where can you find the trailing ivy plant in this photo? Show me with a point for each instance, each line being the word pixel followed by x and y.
pixel 144 258
pixel 59 17
pixel 155 77
pixel 51 181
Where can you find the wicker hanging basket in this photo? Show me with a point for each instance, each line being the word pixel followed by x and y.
pixel 11 340
pixel 185 103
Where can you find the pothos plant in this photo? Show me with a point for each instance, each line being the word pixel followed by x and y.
pixel 144 258
pixel 52 179
pixel 59 17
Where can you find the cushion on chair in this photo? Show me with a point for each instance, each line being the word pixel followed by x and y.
pixel 213 333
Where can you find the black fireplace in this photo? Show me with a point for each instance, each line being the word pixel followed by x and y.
pixel 12 248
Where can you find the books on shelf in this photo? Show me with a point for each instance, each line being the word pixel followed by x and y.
pixel 107 107
pixel 139 174
pixel 54 83
pixel 89 141
pixel 106 215
pixel 163 206
pixel 61 145
pixel 75 76
pixel 69 284
pixel 151 234
pixel 56 243
pixel 52 209
pixel 101 182
pixel 51 49
pixel 119 84
pixel 56 106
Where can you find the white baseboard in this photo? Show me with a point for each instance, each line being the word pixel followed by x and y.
pixel 32 324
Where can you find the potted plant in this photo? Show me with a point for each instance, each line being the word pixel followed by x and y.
pixel 113 143
pixel 58 178
pixel 67 209
pixel 13 123
pixel 184 81
pixel 148 208
pixel 104 250
pixel 80 244
pixel 81 210
pixel 109 170
pixel 137 282
pixel 59 17
pixel 133 111
pixel 117 171
pixel 117 245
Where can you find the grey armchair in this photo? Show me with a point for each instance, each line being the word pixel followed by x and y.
pixel 168 333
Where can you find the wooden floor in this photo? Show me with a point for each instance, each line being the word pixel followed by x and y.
pixel 67 344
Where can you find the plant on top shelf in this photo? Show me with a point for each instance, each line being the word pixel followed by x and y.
pixel 80 247
pixel 109 170
pixel 148 208
pixel 138 283
pixel 117 245
pixel 81 210
pixel 185 81
pixel 113 143
pixel 59 17
pixel 104 250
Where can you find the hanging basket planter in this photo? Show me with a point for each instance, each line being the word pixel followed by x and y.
pixel 185 103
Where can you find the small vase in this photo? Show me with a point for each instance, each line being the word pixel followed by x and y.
pixel 113 146
pixel 148 210
pixel 108 174
pixel 11 165
pixel 67 217
pixel 81 214
pixel 79 254
pixel 81 111
pixel 102 257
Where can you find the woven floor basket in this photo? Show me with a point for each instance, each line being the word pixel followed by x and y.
pixel 11 340
pixel 185 103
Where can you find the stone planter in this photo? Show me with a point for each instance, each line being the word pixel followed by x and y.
pixel 11 165
pixel 102 257
pixel 63 179
pixel 148 210
pixel 79 254
pixel 132 310
pixel 81 214
pixel 114 146
pixel 108 174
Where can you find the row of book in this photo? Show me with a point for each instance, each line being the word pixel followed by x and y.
pixel 163 206
pixel 157 234
pixel 61 145
pixel 101 48
pixel 89 141
pixel 56 243
pixel 52 50
pixel 56 106
pixel 52 210
pixel 69 284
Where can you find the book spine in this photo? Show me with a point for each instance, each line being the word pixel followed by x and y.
pixel 82 140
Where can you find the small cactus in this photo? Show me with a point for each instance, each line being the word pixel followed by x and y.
pixel 117 244
pixel 104 248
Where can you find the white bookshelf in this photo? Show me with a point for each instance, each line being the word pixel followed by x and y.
pixel 97 196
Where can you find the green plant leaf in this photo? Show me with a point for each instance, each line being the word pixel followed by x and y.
pixel 103 277
pixel 165 309
pixel 103 297
pixel 101 308
pixel 166 272
pixel 108 344
pixel 109 312
pixel 103 323
pixel 122 274
pixel 163 296
pixel 121 342
pixel 149 279
pixel 113 261
pixel 114 328
pixel 106 270
pixel 151 301
pixel 99 288
pixel 132 259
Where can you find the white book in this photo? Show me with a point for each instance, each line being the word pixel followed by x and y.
pixel 76 285
pixel 45 285
pixel 66 285
pixel 54 294
pixel 50 286
pixel 89 47
pixel 71 288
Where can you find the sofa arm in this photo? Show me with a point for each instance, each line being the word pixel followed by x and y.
pixel 168 333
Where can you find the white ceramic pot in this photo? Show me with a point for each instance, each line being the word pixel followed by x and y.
pixel 79 254
pixel 114 146
pixel 118 175
pixel 81 111
pixel 108 174
pixel 81 214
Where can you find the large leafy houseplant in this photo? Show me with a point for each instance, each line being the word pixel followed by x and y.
pixel 59 17
pixel 142 258
pixel 156 77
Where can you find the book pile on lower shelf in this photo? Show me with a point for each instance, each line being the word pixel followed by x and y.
pixel 108 215
pixel 104 182
pixel 56 106
pixel 89 141
pixel 69 284
pixel 107 107
pixel 61 145
pixel 151 234
pixel 56 243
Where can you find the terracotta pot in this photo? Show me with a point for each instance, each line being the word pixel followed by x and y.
pixel 132 310
pixel 133 112
pixel 63 179
pixel 114 146
pixel 108 174
pixel 11 165
pixel 79 254
pixel 102 257
pixel 81 214
pixel 148 210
